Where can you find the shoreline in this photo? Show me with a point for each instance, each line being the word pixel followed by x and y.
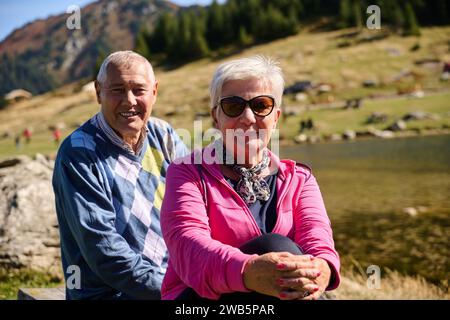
pixel 364 137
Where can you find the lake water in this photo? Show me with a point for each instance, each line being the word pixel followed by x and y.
pixel 366 185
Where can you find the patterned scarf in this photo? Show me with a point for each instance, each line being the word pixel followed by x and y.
pixel 250 186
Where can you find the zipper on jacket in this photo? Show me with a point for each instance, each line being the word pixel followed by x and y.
pixel 246 209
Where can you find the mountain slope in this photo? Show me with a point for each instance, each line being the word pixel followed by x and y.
pixel 45 54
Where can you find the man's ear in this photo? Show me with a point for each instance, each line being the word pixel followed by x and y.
pixel 155 88
pixel 97 91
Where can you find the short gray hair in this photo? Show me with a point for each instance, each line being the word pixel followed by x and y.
pixel 122 58
pixel 257 67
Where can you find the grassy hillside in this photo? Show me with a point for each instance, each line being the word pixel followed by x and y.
pixel 318 57
pixel 342 59
pixel 339 58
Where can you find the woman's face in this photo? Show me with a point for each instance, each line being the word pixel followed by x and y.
pixel 247 134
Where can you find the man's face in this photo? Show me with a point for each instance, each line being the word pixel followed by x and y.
pixel 127 97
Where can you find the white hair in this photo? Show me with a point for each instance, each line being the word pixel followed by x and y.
pixel 121 58
pixel 259 67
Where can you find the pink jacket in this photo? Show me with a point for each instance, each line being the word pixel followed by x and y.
pixel 203 238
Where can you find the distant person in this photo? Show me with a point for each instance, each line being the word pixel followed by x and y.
pixel 109 181
pixel 245 224
pixel 302 126
pixel 27 135
pixel 17 142
pixel 57 135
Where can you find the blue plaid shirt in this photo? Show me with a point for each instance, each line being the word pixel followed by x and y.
pixel 108 202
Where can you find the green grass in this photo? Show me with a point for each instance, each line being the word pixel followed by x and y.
pixel 327 121
pixel 313 56
pixel 13 279
pixel 330 121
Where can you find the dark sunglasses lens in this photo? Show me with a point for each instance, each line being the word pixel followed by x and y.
pixel 262 106
pixel 232 106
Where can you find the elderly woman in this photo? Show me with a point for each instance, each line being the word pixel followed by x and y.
pixel 247 224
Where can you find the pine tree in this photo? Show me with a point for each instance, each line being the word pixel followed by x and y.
pixel 233 22
pixel 199 47
pixel 345 13
pixel 142 43
pixel 184 37
pixel 398 19
pixel 357 16
pixel 411 25
pixel 215 25
pixel 249 14
pixel 158 41
pixel 101 56
pixel 172 37
pixel 244 38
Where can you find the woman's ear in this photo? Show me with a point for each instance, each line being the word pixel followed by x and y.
pixel 214 117
pixel 277 116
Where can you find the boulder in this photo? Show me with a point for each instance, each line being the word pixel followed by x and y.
pixel 399 125
pixel 314 139
pixel 377 117
pixel 335 137
pixel 349 134
pixel 419 115
pixel 301 138
pixel 29 236
pixel 412 212
pixel 383 134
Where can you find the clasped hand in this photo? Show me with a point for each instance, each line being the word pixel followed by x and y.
pixel 287 276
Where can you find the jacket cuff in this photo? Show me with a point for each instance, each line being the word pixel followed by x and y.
pixel 335 277
pixel 235 272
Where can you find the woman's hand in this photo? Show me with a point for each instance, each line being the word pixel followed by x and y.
pixel 291 281
pixel 267 274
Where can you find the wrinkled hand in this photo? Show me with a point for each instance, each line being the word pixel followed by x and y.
pixel 291 265
pixel 282 275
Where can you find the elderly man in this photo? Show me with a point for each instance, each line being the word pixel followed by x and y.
pixel 109 182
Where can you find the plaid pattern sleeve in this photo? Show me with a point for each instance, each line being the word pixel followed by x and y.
pixel 108 206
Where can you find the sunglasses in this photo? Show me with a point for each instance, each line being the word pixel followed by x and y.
pixel 234 106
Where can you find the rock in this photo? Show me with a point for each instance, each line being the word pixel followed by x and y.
pixel 301 97
pixel 202 114
pixel 410 211
pixel 14 161
pixel 89 87
pixel 29 236
pixel 377 117
pixel 363 134
pixel 394 52
pixel 369 83
pixel 299 86
pixel 445 76
pixel 60 125
pixel 419 115
pixel 417 94
pixel 384 134
pixel 349 135
pixel 422 209
pixel 324 88
pixel 301 138
pixel 399 125
pixel 335 137
pixel 6 135
pixel 314 139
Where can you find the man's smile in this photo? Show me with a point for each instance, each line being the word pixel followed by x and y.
pixel 129 114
